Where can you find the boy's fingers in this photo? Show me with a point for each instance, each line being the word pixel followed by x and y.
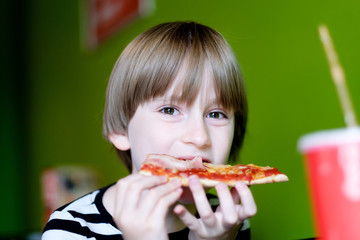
pixel 235 195
pixel 129 190
pixel 162 207
pixel 202 203
pixel 228 209
pixel 154 196
pixel 186 217
pixel 121 188
pixel 248 207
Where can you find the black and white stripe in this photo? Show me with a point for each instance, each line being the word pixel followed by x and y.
pixel 87 218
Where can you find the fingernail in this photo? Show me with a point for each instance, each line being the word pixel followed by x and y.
pixel 193 179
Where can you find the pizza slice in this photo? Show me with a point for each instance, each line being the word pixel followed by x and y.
pixel 209 174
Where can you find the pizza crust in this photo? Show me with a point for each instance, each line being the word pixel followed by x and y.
pixel 172 168
pixel 271 179
pixel 212 183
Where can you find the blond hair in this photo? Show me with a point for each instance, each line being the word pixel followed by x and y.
pixel 147 68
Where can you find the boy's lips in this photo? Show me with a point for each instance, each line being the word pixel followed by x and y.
pixel 187 158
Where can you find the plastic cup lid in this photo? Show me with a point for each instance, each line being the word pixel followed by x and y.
pixel 329 138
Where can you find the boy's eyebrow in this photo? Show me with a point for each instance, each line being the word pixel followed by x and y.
pixel 178 99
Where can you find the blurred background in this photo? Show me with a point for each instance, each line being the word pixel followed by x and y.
pixel 56 63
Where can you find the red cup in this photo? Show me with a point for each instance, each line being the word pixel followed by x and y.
pixel 333 165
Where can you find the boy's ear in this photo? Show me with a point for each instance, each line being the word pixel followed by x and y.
pixel 120 141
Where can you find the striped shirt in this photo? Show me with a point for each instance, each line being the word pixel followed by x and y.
pixel 87 218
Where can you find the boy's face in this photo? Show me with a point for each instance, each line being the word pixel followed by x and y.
pixel 162 126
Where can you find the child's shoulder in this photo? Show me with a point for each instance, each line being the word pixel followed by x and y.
pixel 85 217
pixel 81 203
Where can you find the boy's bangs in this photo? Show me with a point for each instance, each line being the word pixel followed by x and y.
pixel 193 79
pixel 207 73
pixel 197 50
pixel 164 70
pixel 190 81
pixel 204 75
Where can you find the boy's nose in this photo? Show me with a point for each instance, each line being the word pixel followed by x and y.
pixel 196 133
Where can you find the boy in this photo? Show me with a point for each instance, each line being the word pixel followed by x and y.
pixel 176 89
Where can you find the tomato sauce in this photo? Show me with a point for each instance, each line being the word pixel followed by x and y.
pixel 243 173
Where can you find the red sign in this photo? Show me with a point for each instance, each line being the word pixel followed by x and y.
pixel 104 17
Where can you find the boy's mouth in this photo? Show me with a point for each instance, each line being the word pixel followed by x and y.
pixel 188 158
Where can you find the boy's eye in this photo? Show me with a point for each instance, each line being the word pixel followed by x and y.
pixel 216 115
pixel 169 111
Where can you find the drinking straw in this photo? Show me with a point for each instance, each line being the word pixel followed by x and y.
pixel 338 77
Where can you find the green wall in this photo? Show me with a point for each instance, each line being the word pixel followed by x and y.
pixel 289 89
pixel 12 122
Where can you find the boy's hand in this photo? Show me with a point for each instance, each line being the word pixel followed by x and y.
pixel 229 216
pixel 141 206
